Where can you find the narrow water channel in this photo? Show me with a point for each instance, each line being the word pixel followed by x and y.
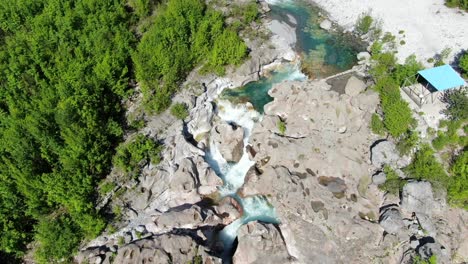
pixel 322 54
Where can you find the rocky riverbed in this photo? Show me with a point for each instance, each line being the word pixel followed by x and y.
pixel 320 173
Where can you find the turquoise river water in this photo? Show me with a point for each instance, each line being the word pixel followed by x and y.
pixel 322 54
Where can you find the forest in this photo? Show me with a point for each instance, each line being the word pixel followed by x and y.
pixel 66 68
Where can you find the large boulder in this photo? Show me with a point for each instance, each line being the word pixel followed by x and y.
pixel 379 178
pixel 326 24
pixel 354 86
pixel 260 243
pixel 391 220
pixel 417 197
pixel 385 153
pixel 429 247
pixel 229 139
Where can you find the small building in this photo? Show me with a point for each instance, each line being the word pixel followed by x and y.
pixel 426 86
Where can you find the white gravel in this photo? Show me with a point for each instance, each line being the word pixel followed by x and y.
pixel 428 25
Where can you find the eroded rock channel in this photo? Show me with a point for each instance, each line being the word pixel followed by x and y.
pixel 274 171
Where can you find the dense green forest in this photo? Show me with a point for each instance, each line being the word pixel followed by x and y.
pixel 183 35
pixel 66 66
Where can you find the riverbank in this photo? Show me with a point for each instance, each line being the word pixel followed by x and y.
pixel 425 27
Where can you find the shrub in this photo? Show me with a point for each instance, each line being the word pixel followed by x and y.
pixel 463 4
pixel 179 111
pixel 281 127
pixel 449 137
pixel 426 167
pixel 463 63
pixel 442 57
pixel 377 125
pixel 364 23
pixel 408 142
pixel 131 156
pixel 393 183
pixel 457 191
pixel 57 239
pixel 457 103
pixel 251 12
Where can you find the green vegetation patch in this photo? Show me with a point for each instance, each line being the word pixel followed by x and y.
pixel 133 155
pixel 179 111
pixel 183 35
pixel 64 75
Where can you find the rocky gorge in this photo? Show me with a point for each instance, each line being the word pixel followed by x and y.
pixel 311 158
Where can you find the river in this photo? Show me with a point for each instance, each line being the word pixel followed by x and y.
pixel 322 54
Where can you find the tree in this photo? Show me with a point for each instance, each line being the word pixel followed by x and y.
pixel 458 185
pixel 426 167
pixel 179 111
pixel 457 103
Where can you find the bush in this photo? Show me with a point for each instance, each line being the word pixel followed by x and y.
pixel 393 183
pixel 463 4
pixel 463 63
pixel 449 137
pixel 457 103
pixel 251 12
pixel 408 142
pixel 377 125
pixel 457 191
pixel 131 156
pixel 426 167
pixel 57 239
pixel 364 23
pixel 281 127
pixel 179 111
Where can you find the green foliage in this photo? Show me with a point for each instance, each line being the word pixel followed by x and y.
pixel 281 127
pixel 141 8
pixel 184 34
pixel 364 23
pixel 407 70
pixel 463 63
pixel 426 167
pixel 393 184
pixel 106 187
pixel 457 191
pixel 131 156
pixel 388 76
pixel 179 111
pixel 251 12
pixel 418 260
pixel 457 103
pixel 462 4
pixel 442 57
pixel 64 75
pixel 58 239
pixel 449 137
pixel 247 13
pixel 377 125
pixel 408 142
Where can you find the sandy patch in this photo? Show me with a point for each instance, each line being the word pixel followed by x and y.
pixel 428 25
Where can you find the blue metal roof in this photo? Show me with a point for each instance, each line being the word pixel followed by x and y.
pixel 442 78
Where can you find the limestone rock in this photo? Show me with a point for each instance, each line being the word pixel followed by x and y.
pixel 428 247
pixel 354 86
pixel 364 55
pixel 417 197
pixel 201 115
pixel 379 178
pixel 385 153
pixel 229 141
pixel 326 24
pixel 260 243
pixel 391 221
